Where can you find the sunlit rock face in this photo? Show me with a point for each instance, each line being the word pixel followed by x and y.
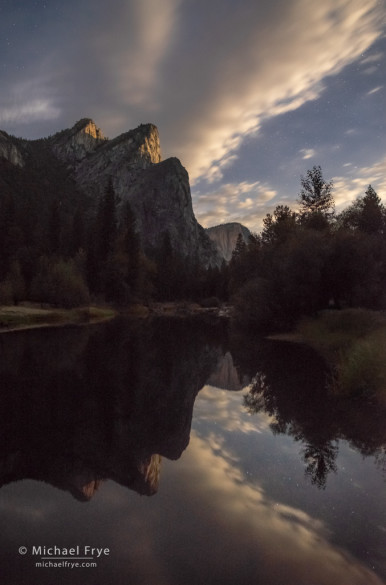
pixel 225 237
pixel 9 150
pixel 133 150
pixel 159 192
pixel 76 143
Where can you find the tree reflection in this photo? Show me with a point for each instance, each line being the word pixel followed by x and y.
pixel 319 454
pixel 291 386
pixel 320 460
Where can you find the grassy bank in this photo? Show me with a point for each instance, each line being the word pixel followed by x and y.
pixel 26 317
pixel 353 343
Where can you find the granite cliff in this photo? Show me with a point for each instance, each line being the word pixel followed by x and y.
pixel 225 236
pixel 158 191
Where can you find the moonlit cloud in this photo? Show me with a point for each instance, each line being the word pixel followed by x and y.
pixel 211 77
pixel 372 91
pixel 270 73
pixel 26 102
pixel 242 202
pixel 40 109
pixel 307 153
pixel 347 189
pixel 376 58
pixel 131 46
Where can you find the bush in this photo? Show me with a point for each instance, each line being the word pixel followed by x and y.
pixel 361 370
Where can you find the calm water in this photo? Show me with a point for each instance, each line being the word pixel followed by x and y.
pixel 192 454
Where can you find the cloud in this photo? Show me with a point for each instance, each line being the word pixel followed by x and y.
pixel 206 75
pixel 26 102
pixel 307 153
pixel 234 202
pixel 375 58
pixel 38 109
pixel 375 90
pixel 259 66
pixel 130 44
pixel 101 60
pixel 347 189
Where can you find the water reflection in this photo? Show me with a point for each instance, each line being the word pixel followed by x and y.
pixel 278 542
pixel 114 399
pixel 115 402
pixel 291 386
pixel 88 404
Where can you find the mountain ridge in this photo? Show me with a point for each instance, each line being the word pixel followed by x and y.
pixel 158 191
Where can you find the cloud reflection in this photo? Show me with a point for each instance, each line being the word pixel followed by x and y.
pixel 289 545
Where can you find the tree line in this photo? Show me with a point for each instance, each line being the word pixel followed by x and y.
pixel 311 259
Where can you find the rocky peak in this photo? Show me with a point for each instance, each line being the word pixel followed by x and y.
pixel 225 237
pixel 140 147
pixel 75 144
pixel 158 191
pixel 88 126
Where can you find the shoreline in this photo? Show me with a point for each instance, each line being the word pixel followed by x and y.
pixel 26 317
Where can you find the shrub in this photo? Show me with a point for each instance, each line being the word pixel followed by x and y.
pixel 361 370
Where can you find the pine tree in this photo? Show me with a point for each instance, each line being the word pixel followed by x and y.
pixel 315 197
pixel 372 214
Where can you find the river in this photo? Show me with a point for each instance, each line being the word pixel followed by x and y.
pixel 181 452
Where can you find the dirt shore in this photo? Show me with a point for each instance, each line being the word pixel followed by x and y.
pixel 16 318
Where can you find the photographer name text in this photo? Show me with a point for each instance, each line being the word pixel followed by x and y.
pixel 76 551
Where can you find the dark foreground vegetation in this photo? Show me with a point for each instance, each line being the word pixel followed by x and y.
pixel 310 260
pixel 352 342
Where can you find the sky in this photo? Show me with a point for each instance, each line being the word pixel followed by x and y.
pixel 248 94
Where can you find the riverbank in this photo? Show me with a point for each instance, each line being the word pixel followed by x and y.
pixel 353 344
pixel 28 316
pixel 33 316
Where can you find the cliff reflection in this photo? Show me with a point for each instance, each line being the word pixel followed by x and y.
pixel 291 386
pixel 79 406
pixel 82 405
